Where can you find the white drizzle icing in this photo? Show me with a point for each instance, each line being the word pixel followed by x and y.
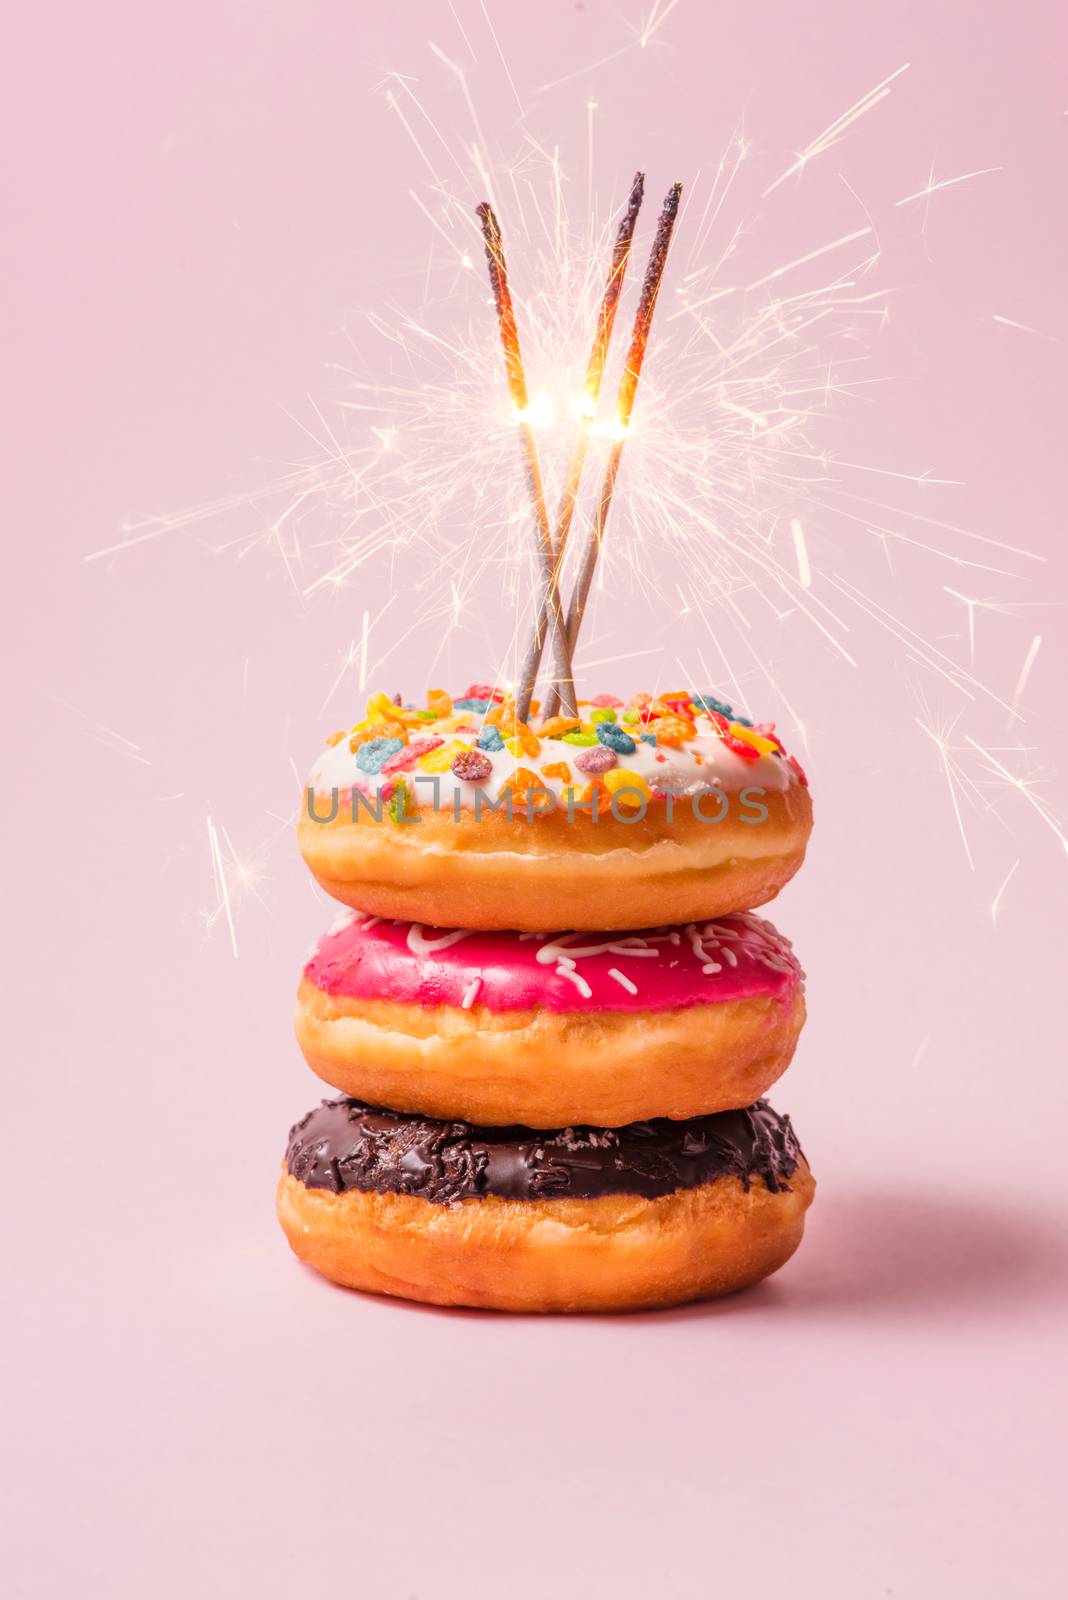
pixel 343 921
pixel 770 959
pixel 623 981
pixel 565 955
pixel 625 945
pixel 770 956
pixel 565 968
pixel 420 945
pixel 704 942
pixel 471 993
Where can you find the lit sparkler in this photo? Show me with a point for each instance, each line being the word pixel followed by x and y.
pixel 549 595
pixel 736 517
pixel 628 388
pixel 587 412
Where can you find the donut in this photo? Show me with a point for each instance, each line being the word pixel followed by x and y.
pixel 577 1219
pixel 674 809
pixel 551 1029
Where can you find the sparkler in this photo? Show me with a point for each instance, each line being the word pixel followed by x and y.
pixel 591 390
pixel 628 387
pixel 517 385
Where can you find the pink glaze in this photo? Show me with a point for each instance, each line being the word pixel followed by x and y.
pixel 656 969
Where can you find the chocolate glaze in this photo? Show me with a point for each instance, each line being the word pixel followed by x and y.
pixel 345 1145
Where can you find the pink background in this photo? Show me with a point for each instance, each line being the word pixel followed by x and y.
pixel 194 200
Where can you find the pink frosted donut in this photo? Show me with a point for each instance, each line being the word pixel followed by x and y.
pixel 551 1029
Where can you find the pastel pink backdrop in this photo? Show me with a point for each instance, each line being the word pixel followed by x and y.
pixel 194 200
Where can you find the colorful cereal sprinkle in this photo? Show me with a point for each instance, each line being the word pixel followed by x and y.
pixel 490 739
pixel 616 738
pixel 372 756
pixel 472 766
pixel 462 735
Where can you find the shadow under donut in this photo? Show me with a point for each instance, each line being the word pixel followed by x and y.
pixel 875 1251
pixel 906 1255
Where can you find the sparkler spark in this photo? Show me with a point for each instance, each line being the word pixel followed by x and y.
pixel 804 571
pixel 957 782
pixel 222 887
pixel 995 904
pixel 237 879
pixel 1021 327
pixel 1025 670
pixel 1024 787
pixel 932 187
pixel 111 739
pixel 837 129
pixel 974 605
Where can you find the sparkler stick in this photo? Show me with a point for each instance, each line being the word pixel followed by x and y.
pixel 517 386
pixel 628 385
pixel 591 391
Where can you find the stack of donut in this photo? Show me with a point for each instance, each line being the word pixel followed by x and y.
pixel 532 1119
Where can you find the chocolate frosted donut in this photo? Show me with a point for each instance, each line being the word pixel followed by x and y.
pixel 551 1029
pixel 580 1218
pixel 345 1145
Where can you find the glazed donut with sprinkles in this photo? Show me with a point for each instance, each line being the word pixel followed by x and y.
pixel 670 808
